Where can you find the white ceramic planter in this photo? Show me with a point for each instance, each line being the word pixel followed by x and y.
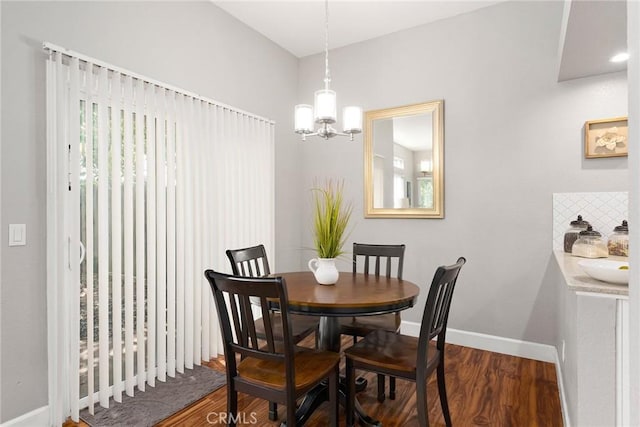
pixel 324 269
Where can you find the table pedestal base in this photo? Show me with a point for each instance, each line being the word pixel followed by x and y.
pixel 329 340
pixel 320 394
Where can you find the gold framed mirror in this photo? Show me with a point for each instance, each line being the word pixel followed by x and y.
pixel 403 161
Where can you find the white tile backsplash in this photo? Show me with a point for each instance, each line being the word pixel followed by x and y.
pixel 603 211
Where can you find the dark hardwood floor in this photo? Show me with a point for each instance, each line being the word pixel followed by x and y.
pixel 484 389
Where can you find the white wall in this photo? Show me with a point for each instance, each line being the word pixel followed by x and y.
pixel 192 45
pixel 513 136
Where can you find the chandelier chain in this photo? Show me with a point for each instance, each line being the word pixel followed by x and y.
pixel 327 74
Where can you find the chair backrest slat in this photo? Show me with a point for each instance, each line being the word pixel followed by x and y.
pixel 248 322
pixel 249 262
pixel 268 327
pixel 436 310
pixel 237 325
pixel 232 296
pixel 378 254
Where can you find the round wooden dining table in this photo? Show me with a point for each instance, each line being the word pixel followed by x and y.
pixel 355 294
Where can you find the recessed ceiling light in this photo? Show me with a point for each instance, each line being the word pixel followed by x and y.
pixel 620 57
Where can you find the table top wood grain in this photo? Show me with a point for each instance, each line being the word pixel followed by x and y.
pixel 355 294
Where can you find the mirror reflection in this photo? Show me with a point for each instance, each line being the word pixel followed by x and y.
pixel 403 164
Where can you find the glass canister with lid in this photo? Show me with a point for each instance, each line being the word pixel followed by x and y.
pixel 590 245
pixel 619 241
pixel 571 235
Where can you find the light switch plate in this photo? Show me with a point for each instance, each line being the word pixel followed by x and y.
pixel 17 234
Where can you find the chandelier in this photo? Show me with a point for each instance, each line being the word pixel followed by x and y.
pixel 324 108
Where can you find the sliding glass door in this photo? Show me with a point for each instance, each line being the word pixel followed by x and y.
pixel 148 186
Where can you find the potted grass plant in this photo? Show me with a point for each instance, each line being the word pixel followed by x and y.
pixel 331 216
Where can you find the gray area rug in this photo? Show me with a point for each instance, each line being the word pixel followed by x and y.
pixel 157 403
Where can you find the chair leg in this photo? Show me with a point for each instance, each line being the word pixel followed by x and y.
pixel 273 411
pixel 421 402
pixel 333 396
pixel 442 391
pixel 380 388
pixel 291 411
pixel 392 388
pixel 232 404
pixel 351 392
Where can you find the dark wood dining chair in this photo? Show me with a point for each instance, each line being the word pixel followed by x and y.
pixel 275 370
pixel 373 259
pixel 253 262
pixel 408 357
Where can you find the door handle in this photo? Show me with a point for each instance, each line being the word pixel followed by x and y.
pixel 82 253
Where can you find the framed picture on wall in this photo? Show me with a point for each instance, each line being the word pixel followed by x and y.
pixel 606 138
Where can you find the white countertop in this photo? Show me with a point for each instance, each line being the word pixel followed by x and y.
pixel 579 281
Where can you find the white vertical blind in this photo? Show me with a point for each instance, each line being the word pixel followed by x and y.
pixel 74 247
pixel 188 236
pixel 89 221
pixel 151 231
pixel 128 183
pixel 161 230
pixel 197 237
pixel 205 290
pixel 181 189
pixel 140 279
pixel 171 236
pixel 55 224
pixel 155 183
pixel 116 142
pixel 103 239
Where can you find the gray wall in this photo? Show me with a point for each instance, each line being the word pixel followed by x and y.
pixel 192 45
pixel 513 136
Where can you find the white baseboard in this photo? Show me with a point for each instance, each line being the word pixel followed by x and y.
pixel 36 418
pixel 526 349
pixel 563 396
pixel 510 346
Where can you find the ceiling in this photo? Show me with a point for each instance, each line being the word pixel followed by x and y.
pixel 298 25
pixel 592 30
